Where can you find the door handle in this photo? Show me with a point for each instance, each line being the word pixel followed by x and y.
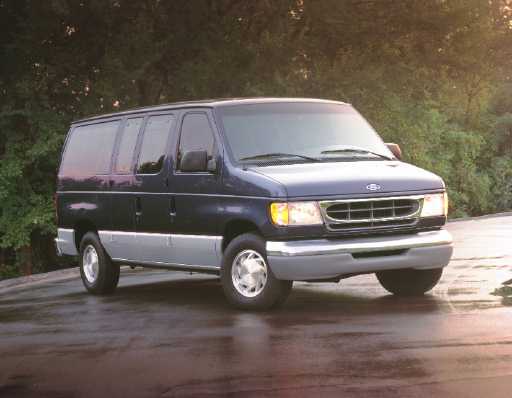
pixel 172 207
pixel 138 208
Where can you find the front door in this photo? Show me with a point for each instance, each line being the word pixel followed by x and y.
pixel 195 195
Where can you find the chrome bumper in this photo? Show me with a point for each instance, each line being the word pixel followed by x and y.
pixel 324 259
pixel 65 242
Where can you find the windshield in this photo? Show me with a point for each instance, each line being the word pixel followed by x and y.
pixel 300 132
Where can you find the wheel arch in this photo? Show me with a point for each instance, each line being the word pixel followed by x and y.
pixel 81 227
pixel 236 227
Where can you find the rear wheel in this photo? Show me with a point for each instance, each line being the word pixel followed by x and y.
pixel 99 274
pixel 409 282
pixel 247 280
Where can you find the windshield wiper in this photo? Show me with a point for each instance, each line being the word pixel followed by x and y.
pixel 355 150
pixel 279 155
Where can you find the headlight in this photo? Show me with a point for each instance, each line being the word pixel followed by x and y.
pixel 295 213
pixel 435 205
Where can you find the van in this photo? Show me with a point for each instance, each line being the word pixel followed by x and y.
pixel 261 192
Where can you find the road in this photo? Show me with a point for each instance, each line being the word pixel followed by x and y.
pixel 167 334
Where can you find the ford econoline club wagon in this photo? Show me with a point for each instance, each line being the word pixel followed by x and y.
pixel 262 192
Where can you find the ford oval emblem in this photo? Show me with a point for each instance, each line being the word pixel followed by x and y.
pixel 373 187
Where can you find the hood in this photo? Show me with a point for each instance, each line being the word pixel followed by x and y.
pixel 351 178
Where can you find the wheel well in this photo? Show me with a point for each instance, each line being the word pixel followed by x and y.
pixel 81 228
pixel 235 228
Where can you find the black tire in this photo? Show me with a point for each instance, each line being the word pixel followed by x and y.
pixel 409 282
pixel 274 292
pixel 107 275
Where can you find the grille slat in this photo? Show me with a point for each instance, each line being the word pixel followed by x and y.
pixel 371 213
pixel 374 208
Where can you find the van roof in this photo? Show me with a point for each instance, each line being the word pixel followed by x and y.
pixel 207 103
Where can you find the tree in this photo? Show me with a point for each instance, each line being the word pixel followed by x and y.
pixel 429 75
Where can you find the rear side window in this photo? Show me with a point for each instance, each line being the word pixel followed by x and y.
pixel 154 143
pixel 89 149
pixel 196 134
pixel 127 144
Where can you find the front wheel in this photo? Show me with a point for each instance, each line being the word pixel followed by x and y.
pixel 247 280
pixel 409 282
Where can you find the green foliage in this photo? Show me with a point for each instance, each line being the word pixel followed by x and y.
pixel 501 103
pixel 27 173
pixel 9 271
pixel 433 76
pixel 500 175
pixel 503 134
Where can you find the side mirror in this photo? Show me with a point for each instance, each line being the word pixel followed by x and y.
pixel 395 150
pixel 194 161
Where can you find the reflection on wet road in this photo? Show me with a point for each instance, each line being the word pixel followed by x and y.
pixel 172 335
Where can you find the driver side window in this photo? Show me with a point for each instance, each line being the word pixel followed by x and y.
pixel 196 135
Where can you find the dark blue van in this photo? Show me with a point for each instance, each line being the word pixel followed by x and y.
pixel 262 191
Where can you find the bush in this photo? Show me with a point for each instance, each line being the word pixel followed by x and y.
pixel 9 271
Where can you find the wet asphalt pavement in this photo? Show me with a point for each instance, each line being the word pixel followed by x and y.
pixel 172 335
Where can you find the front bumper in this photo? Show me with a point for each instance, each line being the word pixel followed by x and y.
pixel 329 258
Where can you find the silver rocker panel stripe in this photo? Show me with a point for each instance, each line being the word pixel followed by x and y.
pixel 158 248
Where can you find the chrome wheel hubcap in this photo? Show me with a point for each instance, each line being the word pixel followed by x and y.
pixel 90 264
pixel 249 273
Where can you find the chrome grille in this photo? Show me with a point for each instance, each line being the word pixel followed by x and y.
pixel 371 213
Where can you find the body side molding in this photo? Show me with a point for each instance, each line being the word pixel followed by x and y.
pixel 159 248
